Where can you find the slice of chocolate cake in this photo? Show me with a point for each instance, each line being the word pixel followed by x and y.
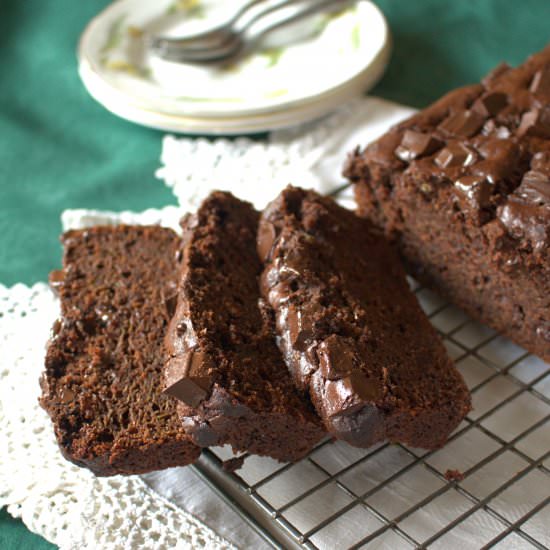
pixel 102 385
pixel 223 364
pixel 463 187
pixel 351 331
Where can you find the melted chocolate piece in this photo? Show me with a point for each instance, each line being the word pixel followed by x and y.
pixel 535 123
pixel 463 124
pixel 417 144
pixel 348 395
pixel 455 154
pixel 191 391
pixel 540 85
pixel 266 238
pixel 473 192
pixel 301 323
pixel 490 104
pixel 337 357
pixel 527 212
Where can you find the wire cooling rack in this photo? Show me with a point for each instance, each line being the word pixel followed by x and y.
pixel 489 487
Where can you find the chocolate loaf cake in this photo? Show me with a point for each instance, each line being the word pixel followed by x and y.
pixel 102 385
pixel 223 364
pixel 350 329
pixel 463 188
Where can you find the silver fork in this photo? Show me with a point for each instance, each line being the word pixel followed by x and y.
pixel 228 40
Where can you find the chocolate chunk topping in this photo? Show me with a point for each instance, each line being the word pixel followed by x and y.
pixel 416 144
pixel 473 191
pixel 266 238
pixel 337 357
pixel 540 85
pixel 190 391
pixel 455 154
pixel 525 220
pixel 535 123
pixel 535 187
pixel 527 212
pixel 351 393
pixel 462 124
pixel 490 104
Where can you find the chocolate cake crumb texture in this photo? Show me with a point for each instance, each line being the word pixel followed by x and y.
pixel 102 384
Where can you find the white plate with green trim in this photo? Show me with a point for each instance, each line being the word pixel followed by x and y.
pixel 341 55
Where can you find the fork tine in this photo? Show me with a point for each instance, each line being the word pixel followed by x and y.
pixel 176 50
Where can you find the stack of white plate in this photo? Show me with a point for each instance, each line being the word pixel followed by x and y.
pixel 343 55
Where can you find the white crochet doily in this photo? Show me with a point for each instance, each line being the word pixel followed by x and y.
pixel 68 505
pixel 309 156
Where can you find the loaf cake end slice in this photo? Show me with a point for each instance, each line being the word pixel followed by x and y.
pixel 350 329
pixel 102 385
pixel 463 188
pixel 223 364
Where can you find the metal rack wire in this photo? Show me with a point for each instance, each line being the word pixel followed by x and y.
pixel 489 487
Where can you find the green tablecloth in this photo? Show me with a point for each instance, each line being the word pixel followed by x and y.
pixel 59 149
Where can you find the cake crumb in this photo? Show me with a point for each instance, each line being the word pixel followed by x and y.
pixel 454 475
pixel 233 464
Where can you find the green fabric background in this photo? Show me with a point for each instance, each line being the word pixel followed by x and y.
pixel 59 149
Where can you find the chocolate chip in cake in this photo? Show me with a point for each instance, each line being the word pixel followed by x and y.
pixel 336 357
pixel 190 391
pixel 301 322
